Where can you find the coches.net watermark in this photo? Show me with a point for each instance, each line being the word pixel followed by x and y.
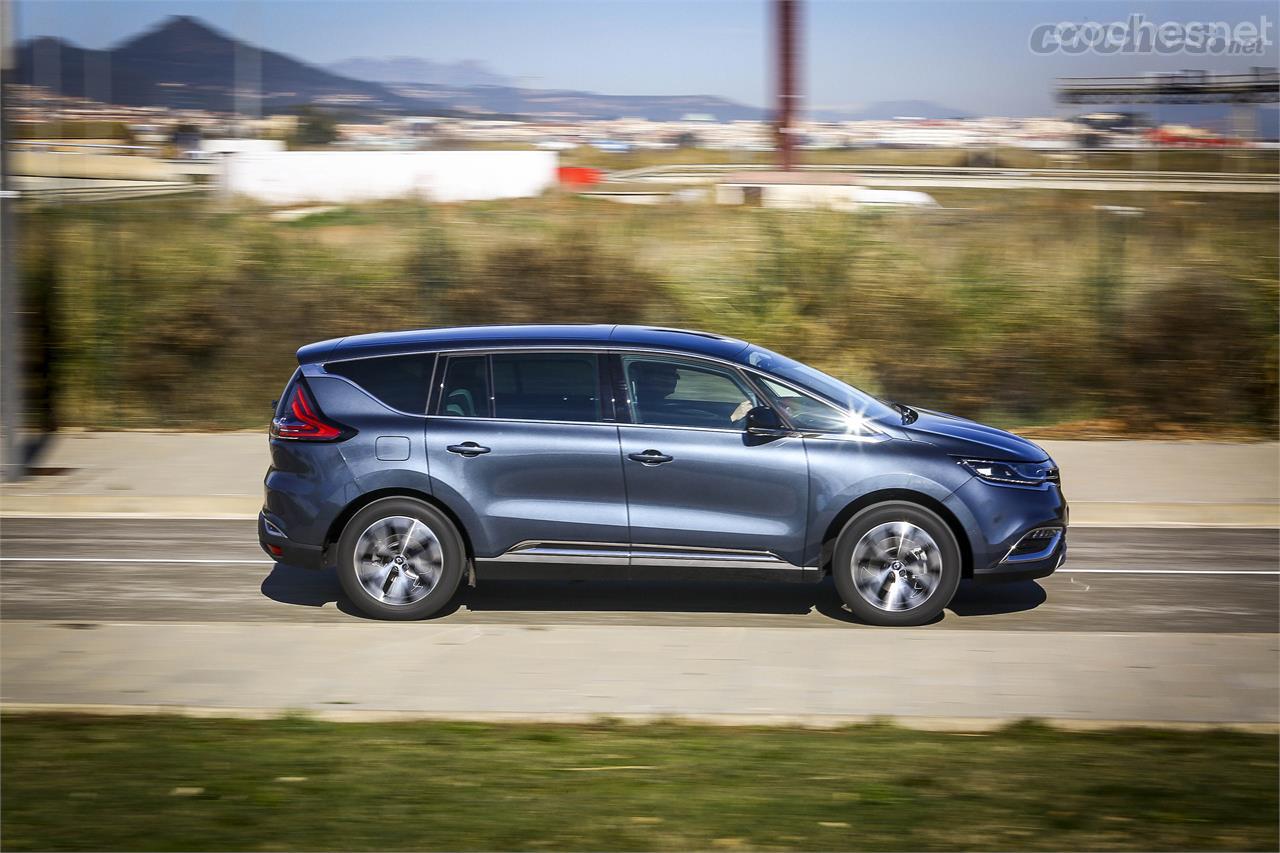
pixel 1137 35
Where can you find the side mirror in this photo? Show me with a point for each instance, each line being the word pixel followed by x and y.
pixel 763 420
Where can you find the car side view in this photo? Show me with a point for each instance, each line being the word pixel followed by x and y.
pixel 411 461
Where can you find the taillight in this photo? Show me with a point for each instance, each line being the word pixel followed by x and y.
pixel 303 420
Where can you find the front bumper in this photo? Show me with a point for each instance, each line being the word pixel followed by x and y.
pixel 1024 570
pixel 997 517
pixel 278 546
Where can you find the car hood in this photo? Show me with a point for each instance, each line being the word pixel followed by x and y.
pixel 963 437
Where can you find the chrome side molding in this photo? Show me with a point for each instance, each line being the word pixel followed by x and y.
pixel 622 554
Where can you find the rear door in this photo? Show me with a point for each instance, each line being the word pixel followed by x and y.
pixel 525 445
pixel 697 482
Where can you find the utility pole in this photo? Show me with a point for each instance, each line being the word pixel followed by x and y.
pixel 12 385
pixel 785 12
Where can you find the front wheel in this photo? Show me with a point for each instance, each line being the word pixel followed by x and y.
pixel 896 564
pixel 399 558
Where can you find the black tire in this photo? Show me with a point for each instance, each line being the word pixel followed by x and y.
pixel 871 519
pixel 452 553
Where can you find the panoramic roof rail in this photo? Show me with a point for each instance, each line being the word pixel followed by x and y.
pixel 712 335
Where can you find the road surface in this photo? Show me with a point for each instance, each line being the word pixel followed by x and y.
pixel 1143 624
pixel 1116 579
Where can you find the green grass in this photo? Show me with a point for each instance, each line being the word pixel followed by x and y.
pixel 160 783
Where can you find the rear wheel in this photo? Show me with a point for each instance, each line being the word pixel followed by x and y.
pixel 896 564
pixel 399 558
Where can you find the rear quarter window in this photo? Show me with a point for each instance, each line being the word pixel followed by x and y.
pixel 399 381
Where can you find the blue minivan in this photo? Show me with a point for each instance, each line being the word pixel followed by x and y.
pixel 411 461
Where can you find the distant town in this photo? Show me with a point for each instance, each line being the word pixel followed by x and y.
pixel 143 97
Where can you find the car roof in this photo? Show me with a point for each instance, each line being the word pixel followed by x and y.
pixel 480 337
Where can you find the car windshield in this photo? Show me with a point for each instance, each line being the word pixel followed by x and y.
pixel 815 381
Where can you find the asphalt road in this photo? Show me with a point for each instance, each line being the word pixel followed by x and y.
pixel 88 571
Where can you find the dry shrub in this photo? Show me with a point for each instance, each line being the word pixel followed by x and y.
pixel 567 278
pixel 1192 351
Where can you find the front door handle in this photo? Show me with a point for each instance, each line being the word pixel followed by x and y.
pixel 467 449
pixel 649 457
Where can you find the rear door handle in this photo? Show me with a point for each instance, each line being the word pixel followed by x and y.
pixel 467 448
pixel 649 457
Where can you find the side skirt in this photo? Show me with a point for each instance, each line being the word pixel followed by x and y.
pixel 613 561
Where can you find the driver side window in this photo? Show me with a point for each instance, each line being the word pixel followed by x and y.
pixel 669 392
pixel 807 413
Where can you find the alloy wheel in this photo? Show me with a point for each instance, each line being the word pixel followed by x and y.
pixel 896 566
pixel 398 560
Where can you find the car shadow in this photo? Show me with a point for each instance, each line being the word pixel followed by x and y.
pixel 316 588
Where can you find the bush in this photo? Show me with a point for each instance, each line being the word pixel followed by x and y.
pixel 1193 350
pixel 567 277
pixel 179 314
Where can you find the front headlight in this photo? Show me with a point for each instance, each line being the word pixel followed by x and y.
pixel 1016 473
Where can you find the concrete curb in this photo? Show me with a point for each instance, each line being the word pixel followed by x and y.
pixel 801 721
pixel 1083 513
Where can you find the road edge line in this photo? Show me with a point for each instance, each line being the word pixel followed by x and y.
pixel 803 721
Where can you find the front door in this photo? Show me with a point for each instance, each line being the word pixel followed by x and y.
pixel 699 487
pixel 524 446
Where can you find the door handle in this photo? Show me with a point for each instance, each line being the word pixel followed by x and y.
pixel 467 449
pixel 649 457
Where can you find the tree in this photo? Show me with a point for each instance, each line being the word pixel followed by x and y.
pixel 315 127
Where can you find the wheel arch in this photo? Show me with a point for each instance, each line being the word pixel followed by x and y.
pixel 908 496
pixel 340 520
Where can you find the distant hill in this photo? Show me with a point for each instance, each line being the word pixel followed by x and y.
pixel 901 109
pixel 185 64
pixel 411 69
pixel 568 103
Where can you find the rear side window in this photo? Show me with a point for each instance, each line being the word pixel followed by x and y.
pixel 400 381
pixel 546 386
pixel 464 392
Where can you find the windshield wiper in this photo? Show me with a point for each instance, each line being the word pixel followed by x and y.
pixel 909 415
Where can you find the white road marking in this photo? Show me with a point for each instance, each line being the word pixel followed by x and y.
pixel 159 560
pixel 1067 571
pixel 235 516
pixel 215 562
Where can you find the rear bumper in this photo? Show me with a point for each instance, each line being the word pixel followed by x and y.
pixel 278 546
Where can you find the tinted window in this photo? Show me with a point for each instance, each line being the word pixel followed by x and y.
pixel 677 393
pixel 400 381
pixel 809 413
pixel 464 393
pixel 546 386
pixel 821 384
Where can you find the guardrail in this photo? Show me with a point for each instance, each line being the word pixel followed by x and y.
pixel 90 189
pixel 982 177
pixel 721 168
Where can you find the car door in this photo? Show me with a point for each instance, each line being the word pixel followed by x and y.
pixel 524 445
pixel 700 489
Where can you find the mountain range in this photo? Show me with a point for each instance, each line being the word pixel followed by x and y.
pixel 183 63
pixel 412 69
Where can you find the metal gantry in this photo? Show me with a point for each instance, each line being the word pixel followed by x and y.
pixel 1260 86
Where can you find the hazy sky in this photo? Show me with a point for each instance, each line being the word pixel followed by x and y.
pixel 971 56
